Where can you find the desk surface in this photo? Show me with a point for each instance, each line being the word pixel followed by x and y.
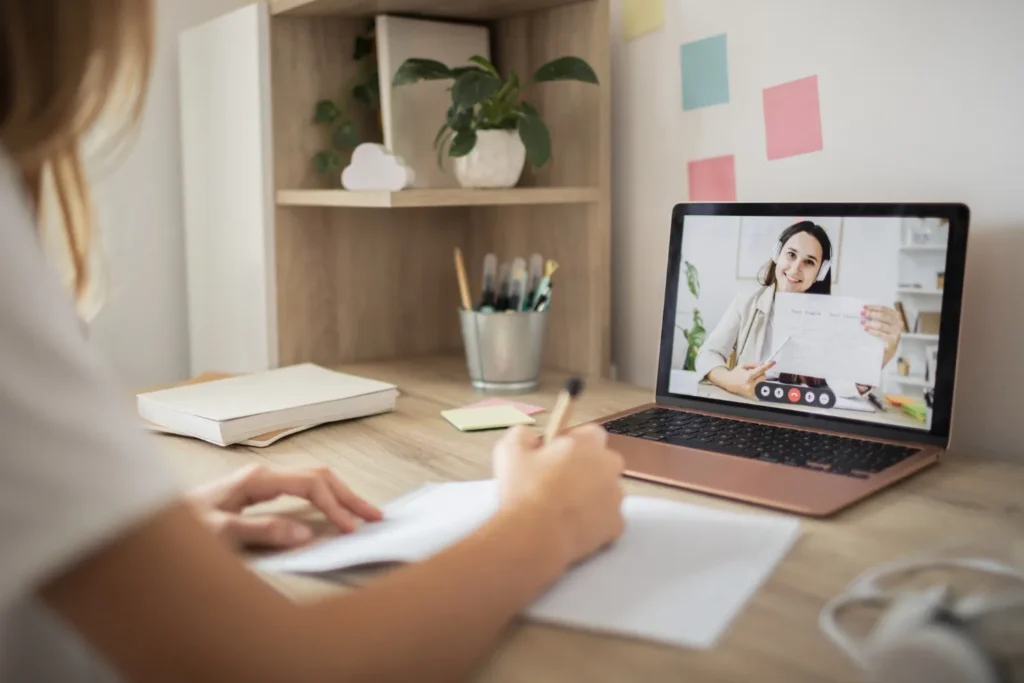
pixel 954 505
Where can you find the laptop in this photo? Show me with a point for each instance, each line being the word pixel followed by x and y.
pixel 808 352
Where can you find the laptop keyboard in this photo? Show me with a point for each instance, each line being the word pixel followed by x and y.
pixel 822 452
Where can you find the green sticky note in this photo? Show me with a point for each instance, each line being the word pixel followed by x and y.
pixel 705 68
pixel 488 417
pixel 916 411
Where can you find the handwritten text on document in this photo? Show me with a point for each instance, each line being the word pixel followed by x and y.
pixel 826 339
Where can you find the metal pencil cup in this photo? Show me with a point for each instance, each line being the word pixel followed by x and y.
pixel 504 350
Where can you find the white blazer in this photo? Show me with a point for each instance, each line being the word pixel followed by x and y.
pixel 741 330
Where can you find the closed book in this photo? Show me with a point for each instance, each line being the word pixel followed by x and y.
pixel 237 409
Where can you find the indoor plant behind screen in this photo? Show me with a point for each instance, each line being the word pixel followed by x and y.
pixel 489 131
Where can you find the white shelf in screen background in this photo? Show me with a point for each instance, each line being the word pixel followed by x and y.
pixel 913 382
pixel 924 248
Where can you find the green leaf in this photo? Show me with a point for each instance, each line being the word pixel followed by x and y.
pixel 528 109
pixel 327 112
pixel 537 139
pixel 416 69
pixel 463 143
pixel 327 162
pixel 443 140
pixel 473 87
pixel 458 118
pixel 510 92
pixel 696 337
pixel 364 47
pixel 459 70
pixel 486 64
pixel 698 322
pixel 368 93
pixel 440 134
pixel 345 136
pixel 566 69
pixel 692 279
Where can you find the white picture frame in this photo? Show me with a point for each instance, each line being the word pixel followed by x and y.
pixel 759 234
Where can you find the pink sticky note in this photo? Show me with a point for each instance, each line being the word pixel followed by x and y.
pixel 713 180
pixel 523 407
pixel 792 118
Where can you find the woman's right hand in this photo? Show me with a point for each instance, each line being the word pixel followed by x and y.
pixel 574 481
pixel 742 379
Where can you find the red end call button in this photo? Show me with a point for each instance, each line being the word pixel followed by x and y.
pixel 794 395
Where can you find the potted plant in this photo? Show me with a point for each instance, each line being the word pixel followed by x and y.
pixel 696 334
pixel 489 131
pixel 342 132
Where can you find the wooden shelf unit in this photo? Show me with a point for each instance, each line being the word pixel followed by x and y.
pixel 455 9
pixel 519 196
pixel 284 267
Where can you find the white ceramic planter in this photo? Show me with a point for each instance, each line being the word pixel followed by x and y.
pixel 497 160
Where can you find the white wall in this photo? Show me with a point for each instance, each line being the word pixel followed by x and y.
pixel 920 99
pixel 142 328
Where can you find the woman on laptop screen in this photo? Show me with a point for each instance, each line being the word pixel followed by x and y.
pixel 802 264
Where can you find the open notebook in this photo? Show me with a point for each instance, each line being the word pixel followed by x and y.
pixel 679 574
pixel 264 407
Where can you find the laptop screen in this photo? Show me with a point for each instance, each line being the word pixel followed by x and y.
pixel 830 315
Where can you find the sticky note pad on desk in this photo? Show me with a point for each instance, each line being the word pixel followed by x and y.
pixel 526 408
pixel 488 417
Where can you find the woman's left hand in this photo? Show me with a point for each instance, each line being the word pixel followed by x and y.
pixel 884 323
pixel 222 502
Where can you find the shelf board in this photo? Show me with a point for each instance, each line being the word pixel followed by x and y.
pixel 913 381
pixel 384 199
pixel 924 248
pixel 460 9
pixel 920 337
pixel 919 292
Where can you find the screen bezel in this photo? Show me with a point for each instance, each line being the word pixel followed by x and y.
pixel 949 325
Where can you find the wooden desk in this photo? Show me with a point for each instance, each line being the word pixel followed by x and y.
pixel 957 504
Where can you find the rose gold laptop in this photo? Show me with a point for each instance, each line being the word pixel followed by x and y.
pixel 808 352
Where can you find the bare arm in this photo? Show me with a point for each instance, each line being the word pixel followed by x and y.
pixel 719 376
pixel 170 602
pixel 740 380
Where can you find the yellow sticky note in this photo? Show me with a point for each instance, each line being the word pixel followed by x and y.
pixel 642 16
pixel 490 417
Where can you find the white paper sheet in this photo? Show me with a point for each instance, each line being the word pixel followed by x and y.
pixel 679 575
pixel 826 338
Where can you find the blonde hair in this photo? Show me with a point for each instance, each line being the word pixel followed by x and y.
pixel 65 67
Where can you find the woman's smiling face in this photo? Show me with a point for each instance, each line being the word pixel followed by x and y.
pixel 798 264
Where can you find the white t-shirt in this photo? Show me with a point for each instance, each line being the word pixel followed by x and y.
pixel 76 469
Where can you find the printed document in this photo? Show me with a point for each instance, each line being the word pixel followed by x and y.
pixel 826 339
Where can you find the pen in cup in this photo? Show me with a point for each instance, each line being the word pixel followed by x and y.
pixel 460 272
pixel 488 297
pixel 536 273
pixel 544 288
pixel 517 286
pixel 504 273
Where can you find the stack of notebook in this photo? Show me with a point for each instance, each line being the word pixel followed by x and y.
pixel 262 408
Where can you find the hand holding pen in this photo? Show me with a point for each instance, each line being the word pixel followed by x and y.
pixel 574 486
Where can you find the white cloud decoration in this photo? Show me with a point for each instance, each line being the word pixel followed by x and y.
pixel 373 167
